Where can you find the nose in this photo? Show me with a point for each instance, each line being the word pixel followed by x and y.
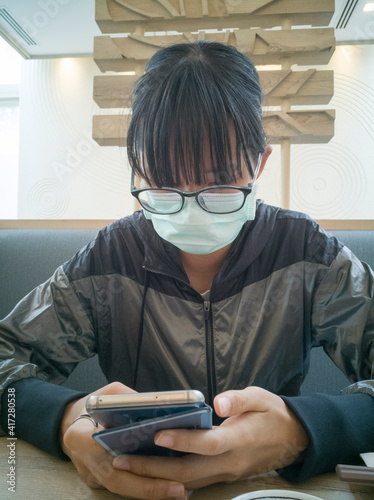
pixel 192 210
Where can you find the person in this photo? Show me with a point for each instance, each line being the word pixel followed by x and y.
pixel 206 288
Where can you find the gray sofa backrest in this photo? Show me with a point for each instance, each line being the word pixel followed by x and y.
pixel 28 257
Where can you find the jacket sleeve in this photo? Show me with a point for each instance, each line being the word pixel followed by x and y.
pixel 343 319
pixel 340 427
pixel 42 340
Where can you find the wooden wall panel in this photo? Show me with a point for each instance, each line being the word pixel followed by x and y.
pixel 304 46
pixel 300 127
pixel 110 130
pixel 242 24
pixel 127 16
pixel 113 91
pixel 300 87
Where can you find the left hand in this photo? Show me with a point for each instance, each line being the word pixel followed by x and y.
pixel 260 434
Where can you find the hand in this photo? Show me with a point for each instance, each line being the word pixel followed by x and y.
pixel 260 434
pixel 94 464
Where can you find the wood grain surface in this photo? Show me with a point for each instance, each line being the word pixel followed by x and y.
pixel 40 476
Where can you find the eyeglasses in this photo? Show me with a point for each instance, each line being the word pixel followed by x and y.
pixel 223 199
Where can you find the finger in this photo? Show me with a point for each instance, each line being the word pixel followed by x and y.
pixel 133 485
pixel 97 470
pixel 79 436
pixel 231 403
pixel 204 442
pixel 114 388
pixel 86 475
pixel 86 425
pixel 194 471
pixel 95 467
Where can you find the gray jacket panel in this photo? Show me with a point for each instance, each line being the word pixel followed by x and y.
pixel 285 287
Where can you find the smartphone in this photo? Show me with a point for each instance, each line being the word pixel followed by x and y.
pixel 122 409
pixel 139 437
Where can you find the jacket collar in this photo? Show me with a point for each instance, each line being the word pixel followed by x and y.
pixel 162 257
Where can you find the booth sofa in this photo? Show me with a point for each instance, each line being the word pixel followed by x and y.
pixel 28 257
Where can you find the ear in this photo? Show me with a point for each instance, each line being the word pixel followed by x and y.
pixel 265 156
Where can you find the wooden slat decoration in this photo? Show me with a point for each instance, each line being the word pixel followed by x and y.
pixel 301 127
pixel 126 16
pixel 244 25
pixel 110 130
pixel 300 87
pixel 304 46
pixel 113 91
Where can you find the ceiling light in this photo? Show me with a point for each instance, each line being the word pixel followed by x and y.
pixel 369 7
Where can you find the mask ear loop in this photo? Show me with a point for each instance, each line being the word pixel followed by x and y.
pixel 257 168
pixel 251 198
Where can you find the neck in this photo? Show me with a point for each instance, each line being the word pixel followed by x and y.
pixel 201 269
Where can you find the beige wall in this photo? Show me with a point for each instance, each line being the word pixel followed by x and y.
pixel 65 175
pixel 335 180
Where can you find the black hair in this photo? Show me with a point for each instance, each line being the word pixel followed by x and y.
pixel 194 96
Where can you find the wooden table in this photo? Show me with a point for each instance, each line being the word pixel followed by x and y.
pixel 40 476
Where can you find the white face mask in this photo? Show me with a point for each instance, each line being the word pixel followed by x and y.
pixel 196 231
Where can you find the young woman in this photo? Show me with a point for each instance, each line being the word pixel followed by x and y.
pixel 204 288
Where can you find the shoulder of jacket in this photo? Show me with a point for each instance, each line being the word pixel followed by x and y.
pixel 284 214
pixel 113 246
pixel 300 228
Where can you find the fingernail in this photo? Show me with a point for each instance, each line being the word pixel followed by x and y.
pixel 164 440
pixel 224 406
pixel 121 463
pixel 176 490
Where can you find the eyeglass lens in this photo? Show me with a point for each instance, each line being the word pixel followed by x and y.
pixel 216 200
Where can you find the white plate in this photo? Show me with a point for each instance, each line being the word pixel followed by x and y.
pixel 275 494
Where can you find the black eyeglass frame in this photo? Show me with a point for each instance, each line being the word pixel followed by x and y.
pixel 246 190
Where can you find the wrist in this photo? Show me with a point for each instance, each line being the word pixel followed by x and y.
pixel 73 410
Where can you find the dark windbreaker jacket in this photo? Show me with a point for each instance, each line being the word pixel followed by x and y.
pixel 285 286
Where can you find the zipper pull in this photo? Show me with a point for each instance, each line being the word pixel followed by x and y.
pixel 206 309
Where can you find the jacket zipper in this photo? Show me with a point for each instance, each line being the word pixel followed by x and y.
pixel 211 373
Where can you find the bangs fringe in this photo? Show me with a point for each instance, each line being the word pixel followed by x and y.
pixel 193 114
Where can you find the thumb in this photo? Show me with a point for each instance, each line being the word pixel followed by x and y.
pixel 230 403
pixel 113 388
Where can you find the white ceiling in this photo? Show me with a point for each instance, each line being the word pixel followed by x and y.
pixel 57 28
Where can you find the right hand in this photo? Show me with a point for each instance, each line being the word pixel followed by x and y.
pixel 94 464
